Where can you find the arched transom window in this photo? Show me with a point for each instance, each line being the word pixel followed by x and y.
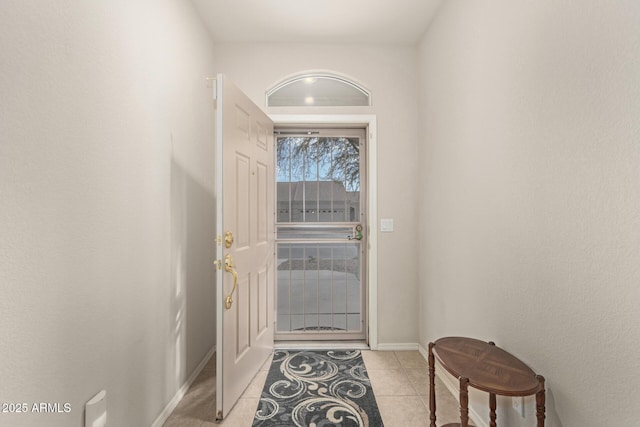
pixel 318 89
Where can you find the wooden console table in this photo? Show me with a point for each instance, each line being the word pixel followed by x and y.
pixel 483 366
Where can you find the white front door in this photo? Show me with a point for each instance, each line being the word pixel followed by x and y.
pixel 245 221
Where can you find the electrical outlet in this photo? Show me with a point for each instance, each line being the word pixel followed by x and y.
pixel 95 412
pixel 518 405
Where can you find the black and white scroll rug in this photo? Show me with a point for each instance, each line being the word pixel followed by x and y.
pixel 317 389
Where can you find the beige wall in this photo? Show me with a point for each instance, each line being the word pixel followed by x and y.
pixel 391 74
pixel 529 196
pixel 106 205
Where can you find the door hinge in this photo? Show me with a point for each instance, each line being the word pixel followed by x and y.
pixel 219 240
pixel 213 84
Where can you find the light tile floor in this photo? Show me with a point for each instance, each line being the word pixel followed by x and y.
pixel 400 382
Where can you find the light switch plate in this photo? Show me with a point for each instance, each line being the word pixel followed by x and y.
pixel 386 225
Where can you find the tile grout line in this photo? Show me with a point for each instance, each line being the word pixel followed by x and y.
pixel 404 368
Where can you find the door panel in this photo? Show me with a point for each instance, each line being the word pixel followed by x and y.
pixel 263 218
pixel 242 196
pixel 263 303
pixel 245 285
pixel 243 310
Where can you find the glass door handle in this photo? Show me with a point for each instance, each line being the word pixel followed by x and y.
pixel 228 267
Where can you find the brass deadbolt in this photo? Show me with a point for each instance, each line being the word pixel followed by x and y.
pixel 228 239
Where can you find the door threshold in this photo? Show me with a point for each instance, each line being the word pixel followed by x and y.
pixel 320 345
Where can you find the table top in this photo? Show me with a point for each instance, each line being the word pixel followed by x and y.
pixel 487 367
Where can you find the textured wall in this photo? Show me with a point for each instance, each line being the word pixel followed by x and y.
pixel 106 205
pixel 391 74
pixel 530 194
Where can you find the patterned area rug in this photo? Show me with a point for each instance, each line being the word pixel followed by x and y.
pixel 317 389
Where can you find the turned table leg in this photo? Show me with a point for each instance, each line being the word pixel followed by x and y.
pixel 492 402
pixel 540 402
pixel 432 387
pixel 492 410
pixel 464 402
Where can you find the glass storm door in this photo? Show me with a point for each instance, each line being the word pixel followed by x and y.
pixel 321 234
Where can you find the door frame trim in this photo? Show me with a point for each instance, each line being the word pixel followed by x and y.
pixel 369 122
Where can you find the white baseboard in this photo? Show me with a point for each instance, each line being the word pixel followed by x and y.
pixel 452 386
pixel 166 412
pixel 320 345
pixel 423 352
pixel 402 346
pixel 337 345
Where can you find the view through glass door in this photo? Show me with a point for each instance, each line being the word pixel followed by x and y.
pixel 321 234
